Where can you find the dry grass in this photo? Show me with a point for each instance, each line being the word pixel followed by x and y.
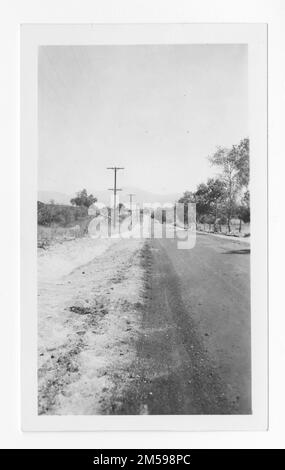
pixel 48 235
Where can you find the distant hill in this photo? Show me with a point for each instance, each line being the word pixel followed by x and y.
pixel 57 197
pixel 141 196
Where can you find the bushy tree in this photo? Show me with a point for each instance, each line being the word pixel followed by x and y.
pixel 242 162
pixel 83 199
pixel 201 198
pixel 243 209
pixel 187 198
pixel 234 163
pixel 206 197
pixel 44 214
pixel 216 189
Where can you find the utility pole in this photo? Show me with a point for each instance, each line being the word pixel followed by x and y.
pixel 115 189
pixel 131 207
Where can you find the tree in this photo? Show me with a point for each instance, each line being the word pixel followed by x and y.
pixel 206 198
pixel 243 209
pixel 82 199
pixel 226 159
pixel 216 191
pixel 187 198
pixel 201 198
pixel 242 162
pixel 44 214
pixel 234 163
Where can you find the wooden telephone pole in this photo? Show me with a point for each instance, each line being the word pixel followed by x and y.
pixel 131 207
pixel 115 189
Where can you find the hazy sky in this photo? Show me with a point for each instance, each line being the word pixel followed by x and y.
pixel 159 111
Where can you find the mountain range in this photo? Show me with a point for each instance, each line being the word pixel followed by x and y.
pixel 141 196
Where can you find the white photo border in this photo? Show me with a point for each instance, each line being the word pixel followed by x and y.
pixel 255 36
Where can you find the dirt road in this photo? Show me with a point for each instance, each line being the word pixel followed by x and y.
pixel 193 352
pixel 141 327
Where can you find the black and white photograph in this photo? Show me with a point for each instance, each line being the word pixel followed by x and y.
pixel 142 252
pixel 143 216
pixel 143 255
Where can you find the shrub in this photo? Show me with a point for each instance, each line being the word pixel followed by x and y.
pixel 62 215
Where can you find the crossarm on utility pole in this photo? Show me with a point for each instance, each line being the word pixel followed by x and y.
pixel 115 189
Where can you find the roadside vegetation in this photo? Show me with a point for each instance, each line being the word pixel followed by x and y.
pixel 223 202
pixel 58 222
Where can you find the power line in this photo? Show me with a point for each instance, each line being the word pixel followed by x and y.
pixel 115 189
pixel 131 206
pixel 131 200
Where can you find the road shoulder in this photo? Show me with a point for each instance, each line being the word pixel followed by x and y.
pixel 88 323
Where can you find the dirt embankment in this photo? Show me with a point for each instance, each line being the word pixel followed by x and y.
pixel 89 320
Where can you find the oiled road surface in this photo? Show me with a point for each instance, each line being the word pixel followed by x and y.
pixel 193 355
